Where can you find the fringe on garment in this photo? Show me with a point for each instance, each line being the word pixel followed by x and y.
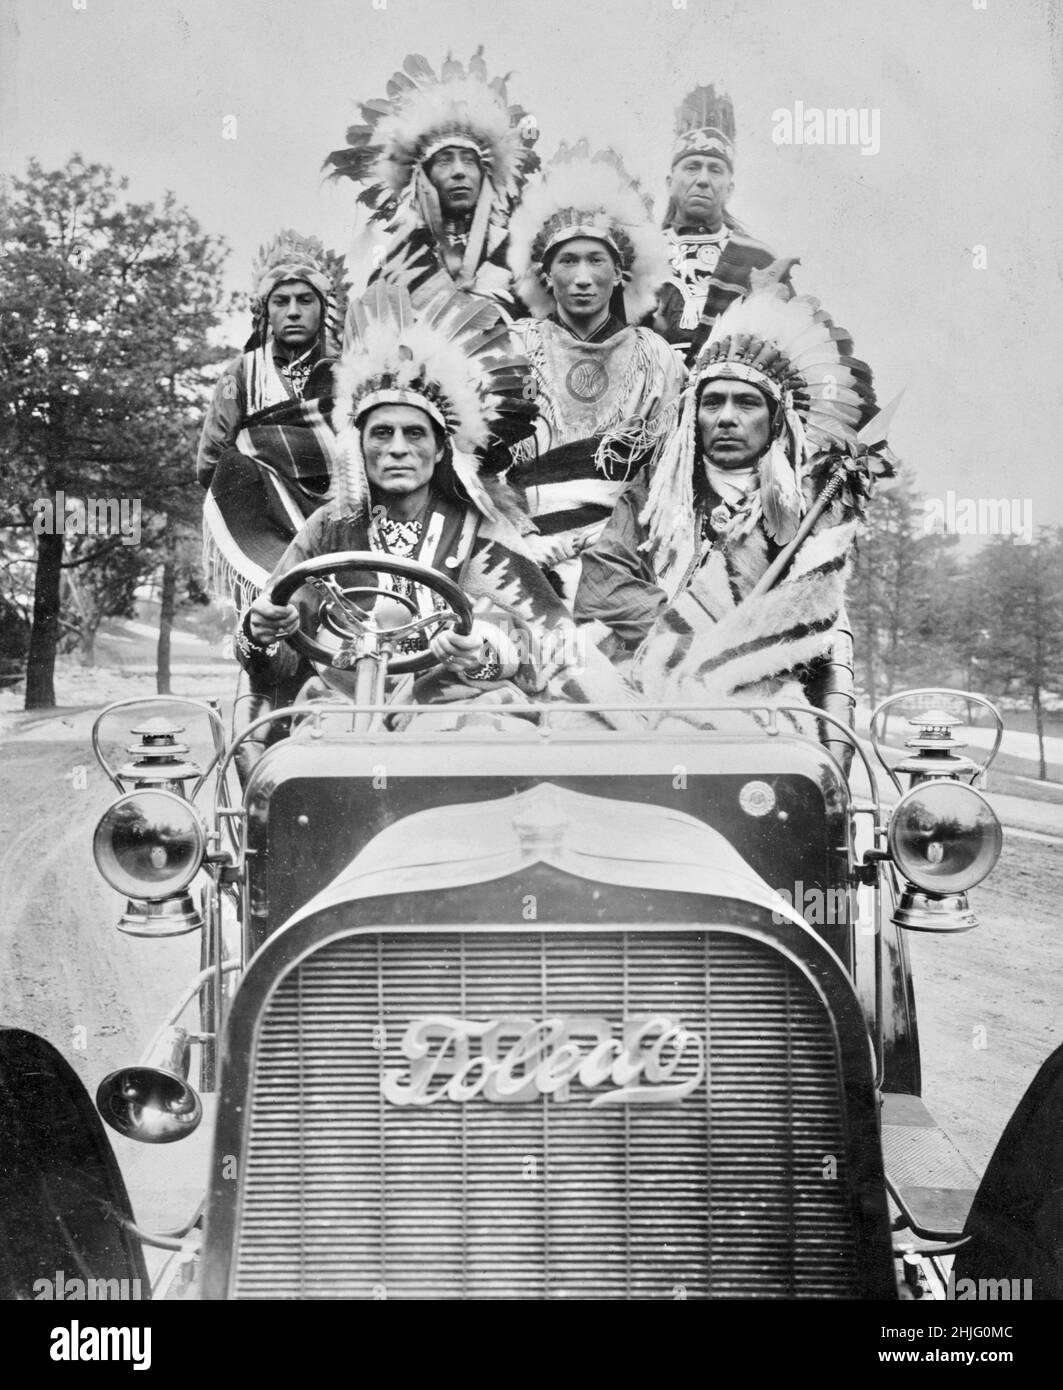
pixel 634 438
pixel 623 437
pixel 225 583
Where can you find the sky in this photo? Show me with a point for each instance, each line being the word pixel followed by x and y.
pixel 941 250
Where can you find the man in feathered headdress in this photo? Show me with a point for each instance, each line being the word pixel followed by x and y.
pixel 419 406
pixel 720 575
pixel 267 449
pixel 587 260
pixel 712 256
pixel 443 161
pixel 298 303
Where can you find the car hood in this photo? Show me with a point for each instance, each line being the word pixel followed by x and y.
pixel 593 837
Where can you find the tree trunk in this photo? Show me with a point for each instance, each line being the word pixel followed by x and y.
pixel 872 631
pixel 44 635
pixel 897 597
pixel 1039 721
pixel 1040 655
pixel 167 602
pixel 87 621
pixel 87 642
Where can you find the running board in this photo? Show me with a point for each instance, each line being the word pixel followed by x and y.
pixel 931 1182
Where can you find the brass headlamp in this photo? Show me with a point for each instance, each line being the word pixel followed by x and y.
pixel 944 836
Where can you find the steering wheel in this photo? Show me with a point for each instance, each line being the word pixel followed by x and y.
pixel 340 615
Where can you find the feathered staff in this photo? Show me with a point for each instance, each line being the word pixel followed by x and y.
pixel 847 478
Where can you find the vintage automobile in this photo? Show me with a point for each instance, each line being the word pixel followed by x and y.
pixel 498 1004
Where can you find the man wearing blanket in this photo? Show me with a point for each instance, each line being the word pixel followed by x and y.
pixel 720 575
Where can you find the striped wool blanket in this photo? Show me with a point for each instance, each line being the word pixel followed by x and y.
pixel 275 476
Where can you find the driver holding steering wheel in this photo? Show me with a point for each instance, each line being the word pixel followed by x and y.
pixel 404 454
pixel 417 406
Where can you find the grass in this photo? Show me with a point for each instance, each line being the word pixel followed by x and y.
pixel 1023 721
pixel 1018 777
pixel 1009 775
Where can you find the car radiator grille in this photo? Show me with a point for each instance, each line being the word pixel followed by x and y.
pixel 738 1190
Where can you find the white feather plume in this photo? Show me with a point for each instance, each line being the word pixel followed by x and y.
pixel 411 353
pixel 443 359
pixel 836 386
pixel 465 107
pixel 592 192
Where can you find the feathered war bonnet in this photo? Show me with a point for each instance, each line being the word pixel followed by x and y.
pixel 455 362
pixel 423 114
pixel 291 256
pixel 585 196
pixel 820 396
pixel 705 124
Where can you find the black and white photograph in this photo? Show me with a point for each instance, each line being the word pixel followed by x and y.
pixel 531 660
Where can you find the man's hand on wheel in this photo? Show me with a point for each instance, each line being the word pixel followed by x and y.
pixel 269 621
pixel 459 653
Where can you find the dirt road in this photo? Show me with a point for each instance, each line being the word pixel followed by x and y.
pixel 65 972
pixel 990 1001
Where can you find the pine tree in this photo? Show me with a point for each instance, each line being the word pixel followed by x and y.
pixel 105 361
pixel 1022 646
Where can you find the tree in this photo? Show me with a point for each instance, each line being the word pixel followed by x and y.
pixel 898 595
pixel 104 365
pixel 1022 592
pixel 104 588
pixel 180 586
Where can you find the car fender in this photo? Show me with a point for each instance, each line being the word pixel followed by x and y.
pixel 62 1198
pixel 1016 1219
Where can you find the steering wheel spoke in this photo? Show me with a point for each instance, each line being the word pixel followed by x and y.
pixel 432 624
pixel 336 612
pixel 345 619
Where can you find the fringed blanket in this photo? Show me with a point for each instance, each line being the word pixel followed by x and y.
pixel 277 474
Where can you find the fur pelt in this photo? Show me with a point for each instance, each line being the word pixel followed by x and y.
pixel 716 644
